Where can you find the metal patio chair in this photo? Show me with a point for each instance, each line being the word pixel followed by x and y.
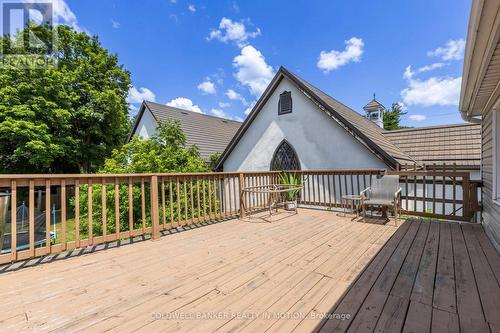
pixel 384 191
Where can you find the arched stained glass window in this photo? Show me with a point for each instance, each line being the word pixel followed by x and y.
pixel 285 158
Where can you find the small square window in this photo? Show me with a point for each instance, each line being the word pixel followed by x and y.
pixel 285 103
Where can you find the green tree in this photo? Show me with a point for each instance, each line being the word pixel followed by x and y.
pixel 392 118
pixel 213 159
pixel 164 152
pixel 63 118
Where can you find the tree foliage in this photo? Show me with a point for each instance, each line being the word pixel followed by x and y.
pixel 164 152
pixel 392 117
pixel 63 118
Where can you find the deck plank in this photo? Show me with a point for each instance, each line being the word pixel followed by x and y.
pixel 231 267
pixel 470 312
pixel 445 283
pixel 393 314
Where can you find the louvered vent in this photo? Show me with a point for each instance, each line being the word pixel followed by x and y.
pixel 285 103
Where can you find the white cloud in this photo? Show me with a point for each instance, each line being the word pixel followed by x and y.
pixel 409 73
pixel 115 24
pixel 138 95
pixel 64 15
pixel 184 103
pixel 231 31
pixel 252 70
pixel 207 87
pixel 453 50
pixel 233 95
pixel 431 67
pixel 224 105
pixel 221 114
pixel 334 59
pixel 433 91
pixel 417 117
pixel 250 107
pixel 192 8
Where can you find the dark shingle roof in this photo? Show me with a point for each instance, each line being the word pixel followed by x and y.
pixel 460 144
pixel 210 134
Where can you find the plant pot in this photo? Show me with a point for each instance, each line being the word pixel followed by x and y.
pixel 291 205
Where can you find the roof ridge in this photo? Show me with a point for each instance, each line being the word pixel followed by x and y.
pixel 428 127
pixel 192 112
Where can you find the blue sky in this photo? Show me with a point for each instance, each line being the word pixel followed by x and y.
pixel 217 56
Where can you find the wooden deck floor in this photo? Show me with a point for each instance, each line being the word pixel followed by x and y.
pixel 232 276
pixel 430 276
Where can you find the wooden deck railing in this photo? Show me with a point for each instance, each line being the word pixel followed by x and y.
pixel 50 214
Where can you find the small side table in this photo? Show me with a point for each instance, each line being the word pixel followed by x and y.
pixel 355 203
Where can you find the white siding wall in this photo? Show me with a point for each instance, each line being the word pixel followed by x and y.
pixel 147 125
pixel 491 209
pixel 319 141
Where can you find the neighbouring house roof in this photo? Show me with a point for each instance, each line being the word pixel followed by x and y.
pixel 460 144
pixel 210 134
pixel 481 74
pixel 364 130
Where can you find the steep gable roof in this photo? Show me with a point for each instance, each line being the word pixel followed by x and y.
pixel 358 126
pixel 210 134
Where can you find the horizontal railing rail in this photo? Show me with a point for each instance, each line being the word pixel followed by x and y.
pixel 49 214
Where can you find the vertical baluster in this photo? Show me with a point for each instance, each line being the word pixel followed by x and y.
pixel 424 185
pixel 103 206
pixel 47 215
pixel 415 188
pixel 204 198
pixel 352 183
pixel 334 190
pixel 163 203
pixel 184 181
pixel 216 214
pixel 198 198
pixel 171 204
pixel 130 206
pixel 406 187
pixel 209 198
pixel 313 189
pixel 323 202
pixel 346 184
pixel 357 182
pixel 341 191
pixel 228 194
pixel 192 198
pixel 13 219
pixel 77 210
pixel 329 192
pixel 63 214
pixel 89 210
pixel 143 205
pixel 117 208
pixel 222 199
pixel 434 189
pixel 454 189
pixel 31 218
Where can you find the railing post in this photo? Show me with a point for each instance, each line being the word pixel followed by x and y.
pixel 242 197
pixel 466 203
pixel 155 218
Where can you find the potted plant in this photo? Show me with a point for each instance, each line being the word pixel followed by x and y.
pixel 294 182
